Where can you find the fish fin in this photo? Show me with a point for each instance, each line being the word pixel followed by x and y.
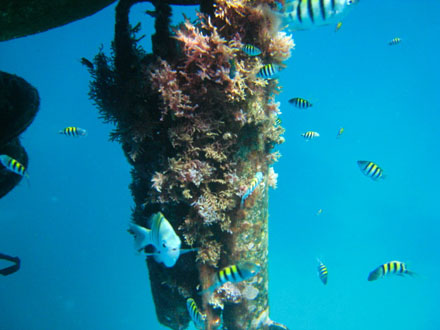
pixel 209 290
pixel 183 251
pixel 142 236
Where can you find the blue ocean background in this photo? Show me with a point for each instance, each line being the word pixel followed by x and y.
pixel 68 226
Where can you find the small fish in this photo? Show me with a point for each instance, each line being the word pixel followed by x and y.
pixel 322 272
pixel 310 135
pixel 371 169
pixel 162 237
pixel 308 14
pixel 196 316
pixel 300 103
pixel 233 69
pixel 73 131
pixel 392 267
pixel 338 26
pixel 341 130
pixel 395 41
pixel 252 186
pixel 269 71
pixel 251 50
pixel 235 273
pixel 278 121
pixel 13 165
pixel 319 212
pixel 87 63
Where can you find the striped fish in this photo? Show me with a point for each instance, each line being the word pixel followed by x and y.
pixel 196 316
pixel 73 131
pixel 235 273
pixel 251 50
pixel 392 267
pixel 310 135
pixel 269 71
pixel 322 272
pixel 300 103
pixel 13 165
pixel 307 14
pixel 341 130
pixel 371 169
pixel 252 186
pixel 394 41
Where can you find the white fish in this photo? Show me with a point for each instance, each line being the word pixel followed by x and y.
pixel 162 237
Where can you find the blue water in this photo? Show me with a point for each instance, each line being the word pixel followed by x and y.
pixel 79 270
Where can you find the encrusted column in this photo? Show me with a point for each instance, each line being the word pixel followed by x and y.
pixel 198 120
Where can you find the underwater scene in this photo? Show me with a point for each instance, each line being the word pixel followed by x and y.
pixel 241 165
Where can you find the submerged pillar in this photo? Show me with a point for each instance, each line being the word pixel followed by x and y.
pixel 197 120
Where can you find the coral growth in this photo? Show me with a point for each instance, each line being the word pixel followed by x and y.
pixel 196 127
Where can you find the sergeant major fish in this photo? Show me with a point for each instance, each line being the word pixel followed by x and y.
pixel 73 131
pixel 13 165
pixel 310 135
pixel 251 50
pixel 322 272
pixel 395 41
pixel 392 267
pixel 371 169
pixel 235 273
pixel 269 71
pixel 252 186
pixel 341 130
pixel 196 316
pixel 307 14
pixel 300 103
pixel 162 237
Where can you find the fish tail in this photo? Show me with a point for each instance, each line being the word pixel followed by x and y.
pixel 411 273
pixel 142 236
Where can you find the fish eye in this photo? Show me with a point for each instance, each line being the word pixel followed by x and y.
pixel 175 249
pixel 164 245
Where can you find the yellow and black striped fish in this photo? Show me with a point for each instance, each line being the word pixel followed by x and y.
pixel 196 316
pixel 269 71
pixel 13 165
pixel 73 131
pixel 300 103
pixel 251 50
pixel 322 272
pixel 252 186
pixel 392 267
pixel 371 169
pixel 310 135
pixel 307 14
pixel 394 41
pixel 341 130
pixel 234 273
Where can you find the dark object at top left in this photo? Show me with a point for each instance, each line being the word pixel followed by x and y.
pixel 25 17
